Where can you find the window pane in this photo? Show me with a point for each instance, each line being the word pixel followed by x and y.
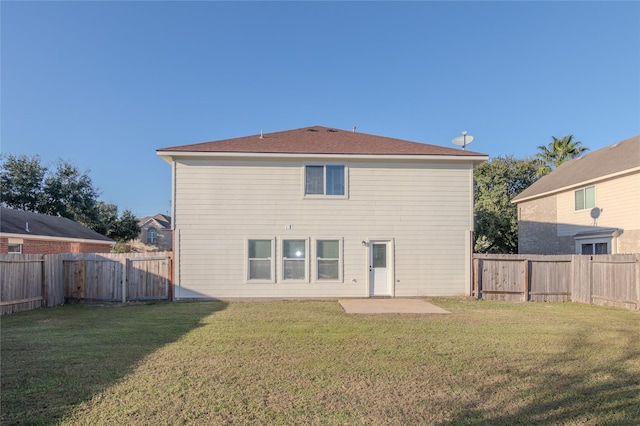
pixel 328 249
pixel 293 269
pixel 328 253
pixel 14 248
pixel 293 249
pixel 590 197
pixel 294 262
pixel 587 248
pixel 259 249
pixel 379 255
pixel 259 269
pixel 152 235
pixel 580 199
pixel 335 180
pixel 601 248
pixel 314 181
pixel 328 269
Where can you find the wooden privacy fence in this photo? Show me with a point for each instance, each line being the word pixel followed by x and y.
pixel 22 283
pixel 612 280
pixel 32 281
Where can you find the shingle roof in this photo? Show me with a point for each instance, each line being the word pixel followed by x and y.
pixel 320 140
pixel 611 160
pixel 15 222
pixel 162 219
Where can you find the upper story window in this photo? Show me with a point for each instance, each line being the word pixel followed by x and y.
pixel 585 198
pixel 324 180
pixel 152 236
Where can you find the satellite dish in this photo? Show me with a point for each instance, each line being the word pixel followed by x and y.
pixel 463 140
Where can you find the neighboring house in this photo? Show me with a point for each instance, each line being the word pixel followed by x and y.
pixel 34 233
pixel 588 205
pixel 320 212
pixel 155 232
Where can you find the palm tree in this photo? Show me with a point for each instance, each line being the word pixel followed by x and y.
pixel 557 152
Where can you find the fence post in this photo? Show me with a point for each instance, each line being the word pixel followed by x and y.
pixel 638 281
pixel 45 298
pixel 124 263
pixel 474 284
pixel 525 278
pixel 591 280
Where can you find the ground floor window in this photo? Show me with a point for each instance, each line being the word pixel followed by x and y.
pixel 15 248
pixel 260 260
pixel 594 248
pixel 594 244
pixel 288 260
pixel 328 259
pixel 15 245
pixel 294 259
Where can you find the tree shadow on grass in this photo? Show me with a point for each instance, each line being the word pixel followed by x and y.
pixel 55 358
pixel 599 394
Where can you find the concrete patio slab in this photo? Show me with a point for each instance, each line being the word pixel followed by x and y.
pixel 390 306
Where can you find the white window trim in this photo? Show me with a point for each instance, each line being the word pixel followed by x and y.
pixel 314 253
pixel 594 240
pixel 15 242
pixel 13 245
pixel 272 259
pixel 585 198
pixel 324 196
pixel 154 230
pixel 306 259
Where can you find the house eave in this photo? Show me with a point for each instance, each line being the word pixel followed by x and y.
pixel 566 188
pixel 169 156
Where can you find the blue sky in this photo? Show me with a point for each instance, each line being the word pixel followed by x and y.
pixel 105 84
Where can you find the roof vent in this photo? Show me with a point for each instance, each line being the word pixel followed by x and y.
pixel 26 227
pixel 261 134
pixel 311 129
pixel 331 130
pixel 354 129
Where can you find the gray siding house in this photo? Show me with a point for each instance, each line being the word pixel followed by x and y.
pixel 588 205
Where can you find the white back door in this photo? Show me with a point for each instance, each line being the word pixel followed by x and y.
pixel 379 269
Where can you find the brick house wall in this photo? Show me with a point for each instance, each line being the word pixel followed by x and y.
pixel 55 247
pixel 164 237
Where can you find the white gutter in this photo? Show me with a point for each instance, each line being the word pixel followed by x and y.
pixel 50 238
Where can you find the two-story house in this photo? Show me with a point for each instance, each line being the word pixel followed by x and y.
pixel 588 205
pixel 155 233
pixel 321 212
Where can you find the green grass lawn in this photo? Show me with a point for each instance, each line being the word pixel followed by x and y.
pixel 307 362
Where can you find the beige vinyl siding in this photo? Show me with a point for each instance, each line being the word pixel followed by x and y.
pixel 619 203
pixel 423 209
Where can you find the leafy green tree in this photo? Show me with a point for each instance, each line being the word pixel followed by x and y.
pixel 70 193
pixel 21 179
pixel 496 182
pixel 126 227
pixel 106 218
pixel 67 192
pixel 557 152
